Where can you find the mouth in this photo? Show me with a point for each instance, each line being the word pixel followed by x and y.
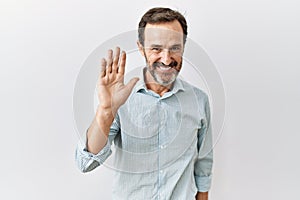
pixel 164 68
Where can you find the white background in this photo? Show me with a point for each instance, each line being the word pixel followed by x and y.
pixel 255 45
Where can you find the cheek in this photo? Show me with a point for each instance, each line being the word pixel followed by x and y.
pixel 151 58
pixel 178 59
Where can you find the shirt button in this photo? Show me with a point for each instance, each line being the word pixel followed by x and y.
pixel 162 146
pixel 161 171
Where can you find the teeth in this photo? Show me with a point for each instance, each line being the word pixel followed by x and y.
pixel 164 68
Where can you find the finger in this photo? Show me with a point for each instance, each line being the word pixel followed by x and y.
pixel 102 68
pixel 109 61
pixel 129 86
pixel 121 69
pixel 115 64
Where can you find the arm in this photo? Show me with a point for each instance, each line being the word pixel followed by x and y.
pixel 202 196
pixel 87 161
pixel 112 93
pixel 203 164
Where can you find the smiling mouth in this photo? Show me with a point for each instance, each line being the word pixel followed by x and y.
pixel 164 68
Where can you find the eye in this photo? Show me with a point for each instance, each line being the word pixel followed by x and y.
pixel 156 49
pixel 175 49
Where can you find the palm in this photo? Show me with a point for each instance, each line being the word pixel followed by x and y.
pixel 112 92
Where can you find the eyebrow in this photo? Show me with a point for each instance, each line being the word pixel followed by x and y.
pixel 158 45
pixel 176 45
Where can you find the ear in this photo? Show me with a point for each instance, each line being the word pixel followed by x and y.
pixel 141 48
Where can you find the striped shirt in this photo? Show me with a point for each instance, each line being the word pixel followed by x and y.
pixel 159 146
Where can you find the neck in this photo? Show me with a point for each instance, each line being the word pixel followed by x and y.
pixel 151 84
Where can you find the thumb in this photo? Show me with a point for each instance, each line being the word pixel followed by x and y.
pixel 129 86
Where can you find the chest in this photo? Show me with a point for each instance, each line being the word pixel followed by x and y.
pixel 150 123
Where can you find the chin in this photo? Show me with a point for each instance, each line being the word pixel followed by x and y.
pixel 163 82
pixel 163 78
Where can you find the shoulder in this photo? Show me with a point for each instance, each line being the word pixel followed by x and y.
pixel 190 89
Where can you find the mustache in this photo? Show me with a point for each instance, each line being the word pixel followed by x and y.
pixel 158 64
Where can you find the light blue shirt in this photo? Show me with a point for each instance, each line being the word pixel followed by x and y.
pixel 160 147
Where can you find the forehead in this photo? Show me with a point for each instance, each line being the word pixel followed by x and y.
pixel 163 33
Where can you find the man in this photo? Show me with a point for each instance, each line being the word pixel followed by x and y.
pixel 158 124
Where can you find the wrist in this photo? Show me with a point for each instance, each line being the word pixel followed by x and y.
pixel 202 196
pixel 104 112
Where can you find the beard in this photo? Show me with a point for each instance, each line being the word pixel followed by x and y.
pixel 164 74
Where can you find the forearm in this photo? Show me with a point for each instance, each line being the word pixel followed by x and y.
pixel 202 196
pixel 99 130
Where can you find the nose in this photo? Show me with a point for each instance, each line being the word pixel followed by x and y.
pixel 165 57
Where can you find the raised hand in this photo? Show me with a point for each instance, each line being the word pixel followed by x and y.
pixel 112 92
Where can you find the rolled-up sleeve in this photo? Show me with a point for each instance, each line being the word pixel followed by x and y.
pixel 87 161
pixel 204 162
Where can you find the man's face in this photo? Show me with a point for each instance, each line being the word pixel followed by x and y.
pixel 163 49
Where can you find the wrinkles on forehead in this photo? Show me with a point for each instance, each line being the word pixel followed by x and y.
pixel 164 35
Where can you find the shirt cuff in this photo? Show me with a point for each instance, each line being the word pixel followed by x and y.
pixel 101 156
pixel 203 183
pixel 88 161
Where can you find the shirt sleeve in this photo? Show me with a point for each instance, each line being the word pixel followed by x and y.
pixel 204 162
pixel 87 161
